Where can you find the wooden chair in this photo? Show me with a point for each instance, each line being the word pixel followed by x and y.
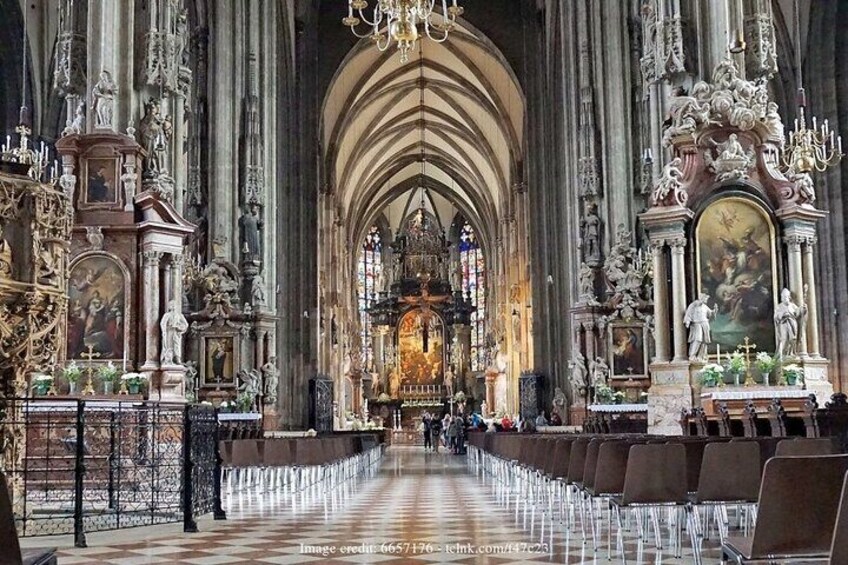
pixel 798 503
pixel 804 447
pixel 10 549
pixel 839 546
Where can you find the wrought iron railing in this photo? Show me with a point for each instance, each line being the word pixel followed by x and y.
pixel 138 464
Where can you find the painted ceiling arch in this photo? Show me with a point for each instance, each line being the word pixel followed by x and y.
pixel 452 117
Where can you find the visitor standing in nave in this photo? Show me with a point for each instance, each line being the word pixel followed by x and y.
pixel 426 428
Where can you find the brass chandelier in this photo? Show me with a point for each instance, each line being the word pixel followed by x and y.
pixel 808 149
pixel 402 19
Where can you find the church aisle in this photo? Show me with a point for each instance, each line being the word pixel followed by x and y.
pixel 420 508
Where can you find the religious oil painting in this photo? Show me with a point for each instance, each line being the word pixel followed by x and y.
pixel 737 269
pixel 219 362
pixel 627 351
pixel 102 181
pixel 97 309
pixel 421 346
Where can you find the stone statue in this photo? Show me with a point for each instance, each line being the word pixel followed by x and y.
pixel 104 101
pixel 732 162
pixel 375 385
pixel 559 403
pixel 155 131
pixel 272 377
pixel 394 383
pixel 173 325
pixel 5 255
pixel 250 225
pixel 697 319
pixel 579 379
pixel 587 283
pixel 448 382
pixel 516 326
pixel 250 383
pixel 600 372
pixel 257 291
pixel 77 124
pixel 787 318
pixel 190 380
pixel 670 185
pixel 590 227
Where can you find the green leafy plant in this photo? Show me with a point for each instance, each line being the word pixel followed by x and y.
pixel 108 372
pixel 765 362
pixel 72 372
pixel 606 395
pixel 244 402
pixel 793 374
pixel 712 375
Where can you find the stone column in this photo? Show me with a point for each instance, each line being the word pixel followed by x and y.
pixel 678 307
pixel 491 377
pixel 812 302
pixel 660 302
pixel 177 280
pixel 796 283
pixel 356 380
pixel 167 283
pixel 150 292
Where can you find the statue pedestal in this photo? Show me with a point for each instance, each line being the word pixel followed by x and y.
pixel 816 378
pixel 671 391
pixel 172 383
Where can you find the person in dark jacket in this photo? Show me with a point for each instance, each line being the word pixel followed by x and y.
pixel 428 441
pixel 435 432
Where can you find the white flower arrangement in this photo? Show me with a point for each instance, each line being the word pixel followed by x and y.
pixel 42 378
pixel 108 372
pixel 765 362
pixel 72 372
pixel 134 377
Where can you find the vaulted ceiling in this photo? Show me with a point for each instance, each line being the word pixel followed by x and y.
pixel 451 119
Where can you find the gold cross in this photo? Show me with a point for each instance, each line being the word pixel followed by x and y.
pixel 749 380
pixel 89 387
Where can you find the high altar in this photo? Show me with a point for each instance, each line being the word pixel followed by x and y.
pixel 423 343
pixel 732 226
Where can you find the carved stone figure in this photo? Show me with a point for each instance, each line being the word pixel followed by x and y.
pixel 559 403
pixel 787 319
pixel 155 131
pixel 697 319
pixel 250 225
pixel 5 255
pixel 591 235
pixel 669 189
pixel 732 161
pixel 173 325
pixel 190 380
pixel 579 379
pixel 600 372
pixel 76 125
pixel 449 381
pixel 394 383
pixel 257 291
pixel 375 385
pixel 103 104
pixel 271 374
pixel 250 384
pixel 804 185
pixel 587 284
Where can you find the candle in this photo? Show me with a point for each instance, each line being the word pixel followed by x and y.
pixel 718 353
pixel 125 360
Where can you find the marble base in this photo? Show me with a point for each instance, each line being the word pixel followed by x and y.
pixel 670 393
pixel 172 383
pixel 816 378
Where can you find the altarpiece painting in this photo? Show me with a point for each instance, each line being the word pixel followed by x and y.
pixel 421 340
pixel 628 355
pixel 97 308
pixel 737 268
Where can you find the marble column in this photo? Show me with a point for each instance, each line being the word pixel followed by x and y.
pixel 796 284
pixel 491 377
pixel 167 283
pixel 812 299
pixel 678 307
pixel 660 302
pixel 177 280
pixel 150 292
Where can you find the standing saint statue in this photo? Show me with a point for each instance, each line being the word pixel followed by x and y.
pixel 697 319
pixel 448 381
pixel 272 378
pixel 257 291
pixel 155 131
pixel 104 101
pixel 788 316
pixel 173 326
pixel 579 380
pixel 600 371
pixel 250 225
pixel 591 234
pixel 559 403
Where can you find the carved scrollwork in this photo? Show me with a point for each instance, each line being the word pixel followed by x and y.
pixel 669 190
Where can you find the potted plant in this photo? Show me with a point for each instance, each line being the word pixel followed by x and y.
pixel 766 364
pixel 72 373
pixel 793 374
pixel 133 382
pixel 712 375
pixel 244 402
pixel 736 367
pixel 225 407
pixel 41 383
pixel 605 395
pixel 108 373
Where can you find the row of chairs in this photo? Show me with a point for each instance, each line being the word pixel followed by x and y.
pixel 295 463
pixel 653 480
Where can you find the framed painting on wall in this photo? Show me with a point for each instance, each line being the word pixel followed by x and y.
pixel 102 179
pixel 97 310
pixel 627 352
pixel 736 267
pixel 219 361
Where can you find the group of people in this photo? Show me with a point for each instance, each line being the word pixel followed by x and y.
pixel 450 431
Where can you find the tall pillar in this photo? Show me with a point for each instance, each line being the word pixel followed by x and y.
pixel 167 283
pixel 660 302
pixel 491 376
pixel 796 283
pixel 678 307
pixel 150 293
pixel 177 281
pixel 812 301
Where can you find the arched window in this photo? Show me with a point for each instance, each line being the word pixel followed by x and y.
pixel 474 284
pixel 368 273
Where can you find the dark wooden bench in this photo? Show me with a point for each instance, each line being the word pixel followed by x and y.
pixel 10 549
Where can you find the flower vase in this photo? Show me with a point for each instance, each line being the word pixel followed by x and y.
pixel 41 389
pixel 736 378
pixel 766 381
pixel 72 387
pixel 108 387
pixel 134 388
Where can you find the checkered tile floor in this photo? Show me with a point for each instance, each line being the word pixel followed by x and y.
pixel 418 509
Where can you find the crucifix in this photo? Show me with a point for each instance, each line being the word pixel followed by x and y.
pixel 749 380
pixel 91 355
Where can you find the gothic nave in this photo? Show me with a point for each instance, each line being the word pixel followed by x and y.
pixel 258 257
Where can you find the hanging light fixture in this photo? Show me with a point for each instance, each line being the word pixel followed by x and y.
pixel 402 19
pixel 809 149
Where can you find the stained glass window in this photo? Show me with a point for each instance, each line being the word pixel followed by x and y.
pixel 474 284
pixel 368 274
